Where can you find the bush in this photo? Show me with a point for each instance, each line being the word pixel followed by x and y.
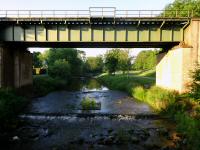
pixel 88 103
pixel 42 85
pixel 195 86
pixel 10 105
pixel 60 69
pixel 190 128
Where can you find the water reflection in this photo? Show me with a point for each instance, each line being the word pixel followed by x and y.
pixel 85 84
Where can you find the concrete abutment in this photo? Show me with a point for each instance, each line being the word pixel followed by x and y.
pixel 174 67
pixel 15 67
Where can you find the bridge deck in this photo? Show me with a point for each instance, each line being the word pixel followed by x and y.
pixel 92 30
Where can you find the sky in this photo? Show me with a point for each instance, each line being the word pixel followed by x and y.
pixel 83 5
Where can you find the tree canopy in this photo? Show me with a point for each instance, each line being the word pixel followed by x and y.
pixel 117 59
pixel 145 60
pixel 94 64
pixel 70 55
pixel 37 62
pixel 191 5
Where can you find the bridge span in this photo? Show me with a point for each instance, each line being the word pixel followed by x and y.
pixel 99 27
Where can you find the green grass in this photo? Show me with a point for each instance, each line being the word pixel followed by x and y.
pixel 140 73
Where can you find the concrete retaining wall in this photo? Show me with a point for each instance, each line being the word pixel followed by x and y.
pixel 15 67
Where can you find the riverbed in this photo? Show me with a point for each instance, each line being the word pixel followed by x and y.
pixel 57 122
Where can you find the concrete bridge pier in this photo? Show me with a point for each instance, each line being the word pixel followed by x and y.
pixel 174 67
pixel 15 67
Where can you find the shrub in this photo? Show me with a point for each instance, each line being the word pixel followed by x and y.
pixel 60 69
pixel 195 86
pixel 10 104
pixel 45 84
pixel 88 103
pixel 190 128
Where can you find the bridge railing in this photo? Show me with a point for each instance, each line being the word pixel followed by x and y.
pixel 96 12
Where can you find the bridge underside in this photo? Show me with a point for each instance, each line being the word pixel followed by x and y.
pixel 94 32
pixel 164 45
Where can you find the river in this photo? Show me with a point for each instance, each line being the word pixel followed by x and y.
pixel 57 122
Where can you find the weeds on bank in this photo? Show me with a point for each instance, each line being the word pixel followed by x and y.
pixel 180 108
pixel 10 105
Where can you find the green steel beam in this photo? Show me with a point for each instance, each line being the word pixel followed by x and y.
pixel 99 31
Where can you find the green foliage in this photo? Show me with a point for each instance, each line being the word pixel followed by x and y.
pixel 72 56
pixel 195 86
pixel 188 5
pixel 37 62
pixel 180 108
pixel 42 85
pixel 139 93
pixel 190 128
pixel 94 64
pixel 124 82
pixel 145 60
pixel 60 69
pixel 124 60
pixel 117 59
pixel 10 105
pixel 88 103
pixel 111 60
pixel 160 98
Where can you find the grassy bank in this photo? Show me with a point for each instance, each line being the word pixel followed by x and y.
pixel 179 108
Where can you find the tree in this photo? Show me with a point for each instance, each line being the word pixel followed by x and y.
pixel 145 60
pixel 117 59
pixel 36 60
pixel 111 60
pixel 124 60
pixel 94 64
pixel 72 56
pixel 60 69
pixel 184 6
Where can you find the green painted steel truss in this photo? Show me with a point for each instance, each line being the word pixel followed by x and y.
pixel 89 30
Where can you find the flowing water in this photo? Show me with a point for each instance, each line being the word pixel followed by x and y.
pixel 57 122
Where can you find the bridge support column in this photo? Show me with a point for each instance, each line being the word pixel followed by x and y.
pixel 173 69
pixel 15 67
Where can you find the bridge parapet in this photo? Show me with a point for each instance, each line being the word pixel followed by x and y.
pixel 96 12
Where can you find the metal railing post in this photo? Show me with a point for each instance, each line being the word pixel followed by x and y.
pixel 54 13
pixel 6 13
pixel 139 13
pixel 18 14
pixel 29 12
pixel 102 12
